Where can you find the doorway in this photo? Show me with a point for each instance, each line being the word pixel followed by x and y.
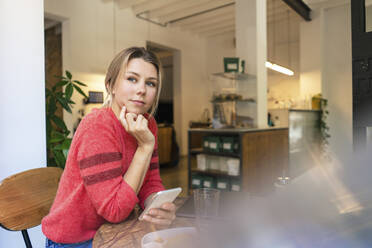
pixel 164 114
pixel 168 120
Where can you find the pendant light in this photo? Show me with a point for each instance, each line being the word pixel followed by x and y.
pixel 276 67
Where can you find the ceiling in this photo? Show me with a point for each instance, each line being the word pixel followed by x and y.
pixel 203 17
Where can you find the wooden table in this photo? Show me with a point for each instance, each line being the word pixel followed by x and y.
pixel 130 232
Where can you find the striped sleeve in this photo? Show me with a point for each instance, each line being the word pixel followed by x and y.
pixel 152 182
pixel 100 165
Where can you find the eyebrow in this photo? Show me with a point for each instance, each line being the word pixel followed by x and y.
pixel 138 75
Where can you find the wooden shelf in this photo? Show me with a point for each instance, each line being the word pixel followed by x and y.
pixel 213 173
pixel 195 151
pixel 234 75
pixel 248 100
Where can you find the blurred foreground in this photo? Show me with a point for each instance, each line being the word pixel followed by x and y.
pixel 327 206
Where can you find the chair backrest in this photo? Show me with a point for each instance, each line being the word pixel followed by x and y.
pixel 26 197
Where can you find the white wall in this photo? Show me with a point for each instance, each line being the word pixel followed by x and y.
pixel 311 54
pixel 94 30
pixel 283 49
pixel 326 63
pixel 22 125
pixel 218 47
pixel 337 80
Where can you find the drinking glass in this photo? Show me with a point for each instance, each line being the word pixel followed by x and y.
pixel 206 202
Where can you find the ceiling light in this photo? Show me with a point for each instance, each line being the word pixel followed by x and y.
pixel 279 68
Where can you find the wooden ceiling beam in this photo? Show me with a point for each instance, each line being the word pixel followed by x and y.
pixel 195 10
pixel 152 5
pixel 210 21
pixel 224 32
pixel 174 7
pixel 300 7
pixel 214 29
pixel 213 26
pixel 123 4
pixel 227 11
pixel 218 31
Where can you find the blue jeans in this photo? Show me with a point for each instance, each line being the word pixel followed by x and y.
pixel 51 244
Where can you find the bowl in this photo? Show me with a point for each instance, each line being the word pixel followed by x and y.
pixel 167 237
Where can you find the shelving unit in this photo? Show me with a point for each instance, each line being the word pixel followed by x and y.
pixel 251 100
pixel 234 99
pixel 234 75
pixel 196 151
pixel 262 154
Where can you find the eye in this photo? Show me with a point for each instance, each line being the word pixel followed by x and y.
pixel 132 79
pixel 151 84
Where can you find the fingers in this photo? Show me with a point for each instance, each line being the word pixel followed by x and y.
pixel 130 117
pixel 157 221
pixel 169 207
pixel 122 117
pixel 136 123
pixel 138 128
pixel 162 216
pixel 139 124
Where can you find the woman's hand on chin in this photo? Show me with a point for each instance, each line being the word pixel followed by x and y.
pixel 137 126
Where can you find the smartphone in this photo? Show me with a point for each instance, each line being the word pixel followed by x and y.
pixel 160 198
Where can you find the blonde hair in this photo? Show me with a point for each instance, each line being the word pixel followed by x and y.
pixel 119 65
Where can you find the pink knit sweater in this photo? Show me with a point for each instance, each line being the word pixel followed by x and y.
pixel 92 189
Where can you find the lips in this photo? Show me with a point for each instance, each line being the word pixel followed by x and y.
pixel 138 102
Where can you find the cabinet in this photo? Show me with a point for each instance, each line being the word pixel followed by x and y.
pixel 261 156
pixel 234 100
pixel 164 144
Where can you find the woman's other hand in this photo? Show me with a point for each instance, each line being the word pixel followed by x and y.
pixel 137 126
pixel 162 216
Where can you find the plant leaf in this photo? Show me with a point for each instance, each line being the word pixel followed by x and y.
pixel 64 104
pixel 80 83
pixel 56 137
pixel 59 158
pixel 68 74
pixel 56 134
pixel 55 140
pixel 58 147
pixel 51 108
pixel 65 152
pixel 61 77
pixel 68 91
pixel 59 122
pixel 80 91
pixel 59 94
pixel 61 83
pixel 66 144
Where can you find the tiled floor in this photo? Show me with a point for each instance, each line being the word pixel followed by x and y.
pixel 176 176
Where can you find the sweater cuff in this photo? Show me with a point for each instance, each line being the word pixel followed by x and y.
pixel 129 197
pixel 147 194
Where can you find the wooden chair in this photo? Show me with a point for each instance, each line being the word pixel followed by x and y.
pixel 26 197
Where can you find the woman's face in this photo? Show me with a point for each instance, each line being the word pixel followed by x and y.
pixel 137 89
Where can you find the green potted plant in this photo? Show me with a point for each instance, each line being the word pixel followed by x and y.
pixel 58 142
pixel 320 103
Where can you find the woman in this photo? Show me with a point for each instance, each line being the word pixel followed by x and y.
pixel 113 162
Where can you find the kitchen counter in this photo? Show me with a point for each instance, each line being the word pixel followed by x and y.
pixel 259 156
pixel 236 130
pixel 304 136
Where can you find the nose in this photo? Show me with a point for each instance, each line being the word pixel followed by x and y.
pixel 141 87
